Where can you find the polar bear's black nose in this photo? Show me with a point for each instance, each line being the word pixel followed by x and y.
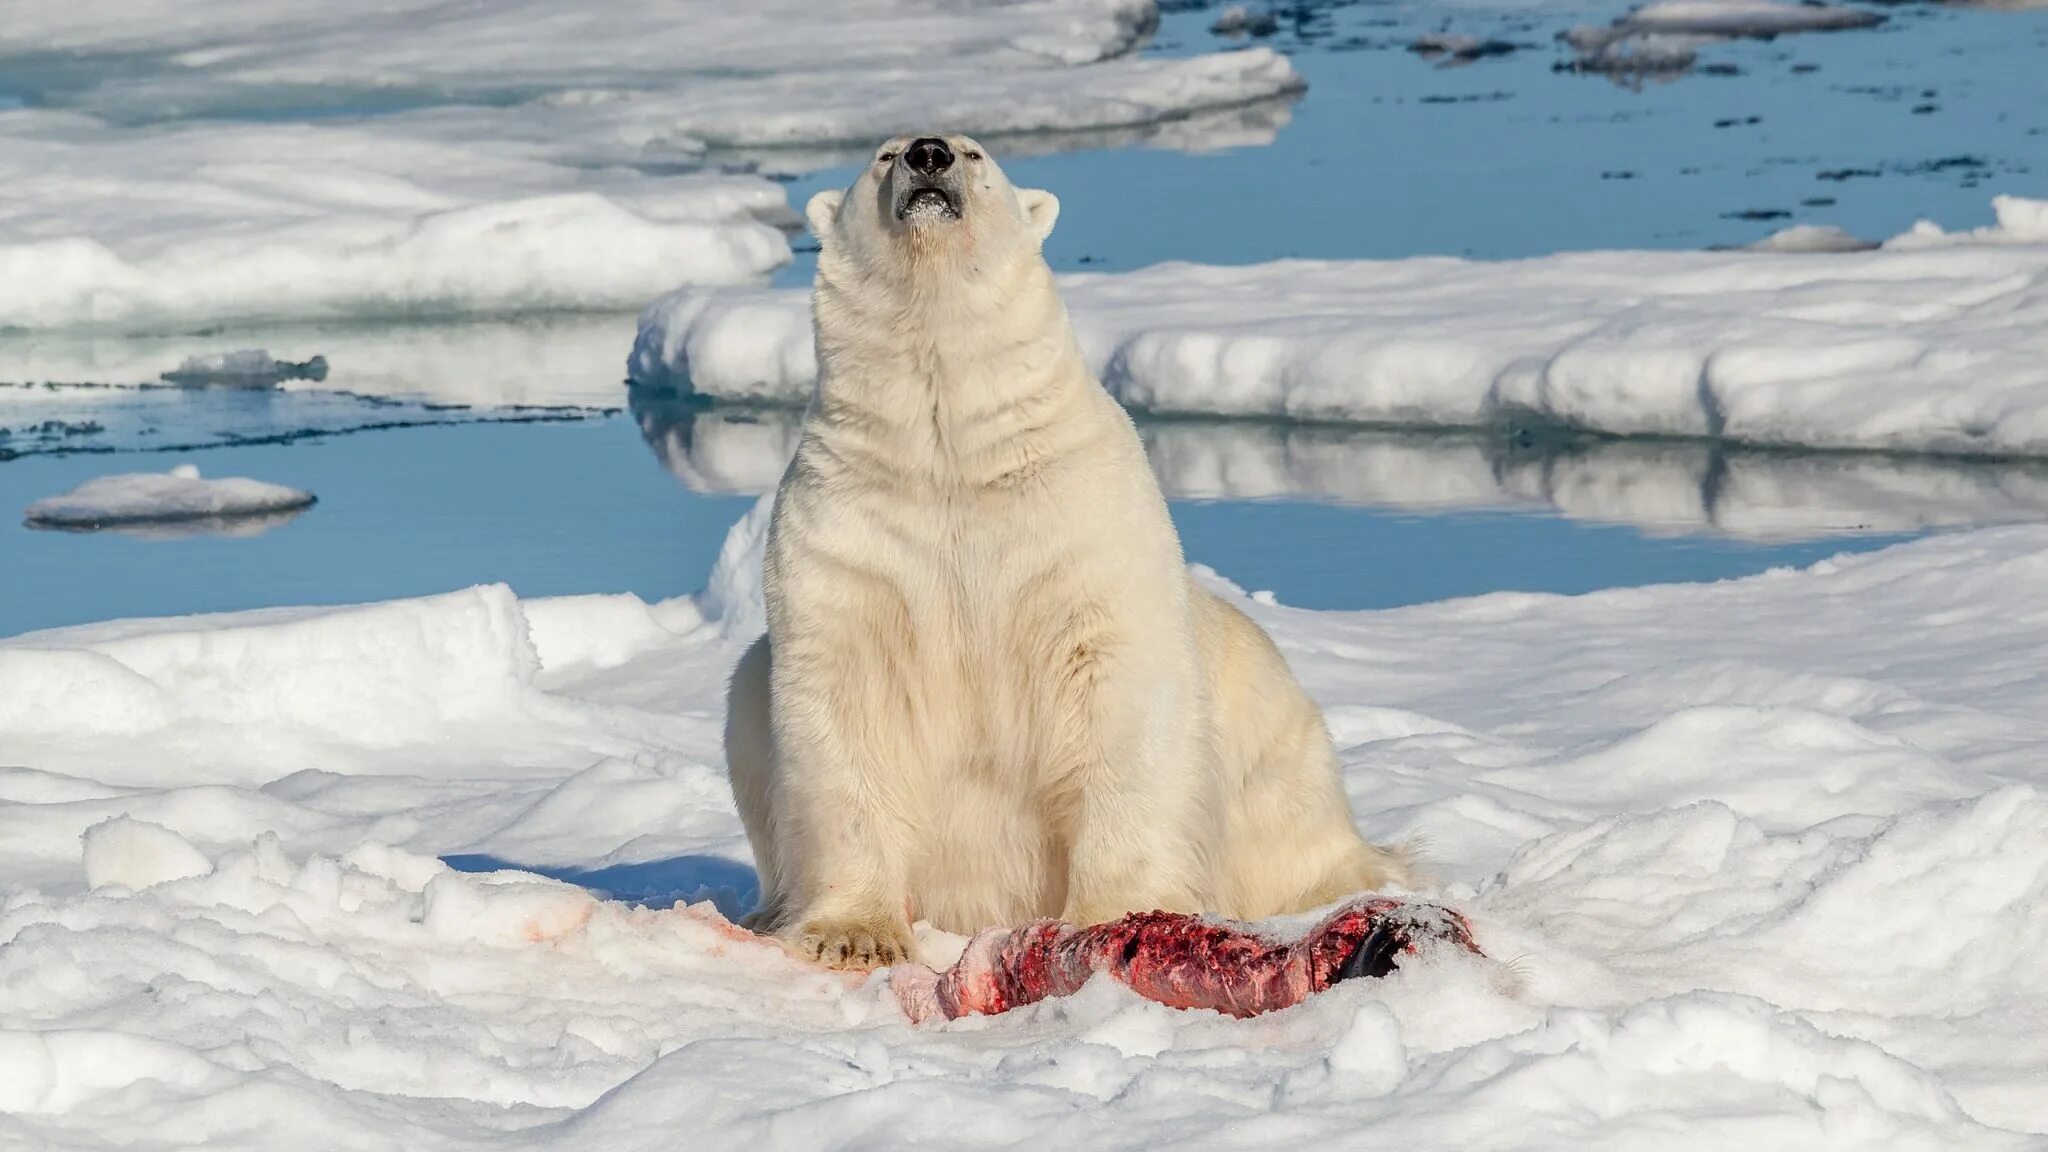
pixel 928 155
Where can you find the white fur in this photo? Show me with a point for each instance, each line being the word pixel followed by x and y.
pixel 989 690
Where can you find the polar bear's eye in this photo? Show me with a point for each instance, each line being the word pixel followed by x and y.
pixel 885 157
pixel 972 155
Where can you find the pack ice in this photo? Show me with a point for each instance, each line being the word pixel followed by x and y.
pixel 1935 343
pixel 1762 862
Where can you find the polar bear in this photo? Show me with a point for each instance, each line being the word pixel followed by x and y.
pixel 990 690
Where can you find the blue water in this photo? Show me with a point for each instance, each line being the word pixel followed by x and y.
pixel 550 509
pixel 1386 156
pixel 554 509
pixel 1389 155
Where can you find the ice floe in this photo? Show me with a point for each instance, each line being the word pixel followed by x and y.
pixel 1769 858
pixel 182 494
pixel 143 229
pixel 635 82
pixel 800 121
pixel 1934 344
pixel 224 55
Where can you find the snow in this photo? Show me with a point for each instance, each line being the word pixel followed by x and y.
pixel 1744 17
pixel 184 165
pixel 159 497
pixel 1759 862
pixel 466 50
pixel 804 120
pixel 136 854
pixel 141 230
pixel 1811 238
pixel 1933 344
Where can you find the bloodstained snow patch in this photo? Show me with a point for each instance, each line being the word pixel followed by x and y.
pixel 1179 960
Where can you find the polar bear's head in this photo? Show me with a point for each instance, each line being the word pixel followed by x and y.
pixel 929 205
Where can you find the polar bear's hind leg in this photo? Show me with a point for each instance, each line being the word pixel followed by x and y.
pixel 1291 843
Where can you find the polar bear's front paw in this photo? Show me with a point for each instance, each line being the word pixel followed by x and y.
pixel 853 944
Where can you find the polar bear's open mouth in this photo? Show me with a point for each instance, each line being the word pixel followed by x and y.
pixel 927 203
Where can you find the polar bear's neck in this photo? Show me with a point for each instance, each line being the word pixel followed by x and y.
pixel 969 383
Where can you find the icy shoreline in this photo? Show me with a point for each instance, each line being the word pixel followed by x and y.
pixel 1771 857
pixel 1934 343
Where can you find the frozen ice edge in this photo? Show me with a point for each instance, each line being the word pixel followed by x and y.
pixel 1932 344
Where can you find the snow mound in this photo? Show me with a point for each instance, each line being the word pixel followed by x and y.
pixel 136 854
pixel 2020 221
pixel 160 497
pixel 734 596
pixel 146 229
pixel 1811 238
pixel 235 692
pixel 1924 346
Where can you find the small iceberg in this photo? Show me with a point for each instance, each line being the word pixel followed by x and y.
pixel 179 499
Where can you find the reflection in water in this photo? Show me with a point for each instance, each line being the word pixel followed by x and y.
pixel 1663 486
pixel 716 449
pixel 532 361
pixel 1249 125
pixel 241 527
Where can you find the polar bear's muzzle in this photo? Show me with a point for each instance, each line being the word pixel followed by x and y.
pixel 923 202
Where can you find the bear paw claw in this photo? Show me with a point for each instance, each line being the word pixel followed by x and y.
pixel 852 945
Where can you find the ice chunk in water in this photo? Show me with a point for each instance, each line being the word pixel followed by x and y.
pixel 162 497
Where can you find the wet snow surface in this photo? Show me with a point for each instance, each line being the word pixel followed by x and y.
pixel 1761 861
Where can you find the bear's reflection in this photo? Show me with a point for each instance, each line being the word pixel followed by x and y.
pixel 1664 487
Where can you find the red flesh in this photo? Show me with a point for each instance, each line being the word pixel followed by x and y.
pixel 1178 960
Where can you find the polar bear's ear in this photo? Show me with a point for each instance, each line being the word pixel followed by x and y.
pixel 822 211
pixel 1041 208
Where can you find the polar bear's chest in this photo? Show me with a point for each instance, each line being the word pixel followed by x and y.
pixel 983 581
